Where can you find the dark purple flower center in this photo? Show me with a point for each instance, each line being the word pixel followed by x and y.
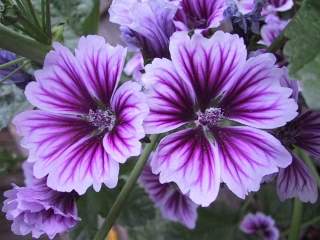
pixel 210 117
pixel 102 119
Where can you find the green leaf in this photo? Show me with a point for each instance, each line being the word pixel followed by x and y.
pixel 94 205
pixel 219 221
pixel 78 17
pixel 88 210
pixel 12 101
pixel 303 50
pixel 91 23
pixel 310 77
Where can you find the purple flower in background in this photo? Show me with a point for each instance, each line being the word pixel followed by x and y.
pixel 146 25
pixel 135 66
pixel 86 124
pixel 39 210
pixel 261 225
pixel 201 14
pixel 173 204
pixel 296 180
pixel 271 6
pixel 245 6
pixel 208 83
pixel 279 5
pixel 272 29
pixel 20 78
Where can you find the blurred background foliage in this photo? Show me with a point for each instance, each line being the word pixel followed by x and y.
pixel 141 220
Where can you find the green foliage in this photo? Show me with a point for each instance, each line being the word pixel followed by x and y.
pixel 12 101
pixel 303 50
pixel 79 17
pixel 9 161
pixel 95 205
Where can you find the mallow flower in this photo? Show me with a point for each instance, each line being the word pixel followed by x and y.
pixel 86 122
pixel 215 101
pixel 272 29
pixel 201 14
pixel 296 180
pixel 135 66
pixel 271 6
pixel 173 204
pixel 148 24
pixel 145 24
pixel 261 225
pixel 37 209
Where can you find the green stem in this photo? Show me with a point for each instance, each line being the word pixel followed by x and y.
pixel 125 191
pixel 296 220
pixel 13 62
pixel 277 43
pixel 22 45
pixel 245 205
pixel 304 225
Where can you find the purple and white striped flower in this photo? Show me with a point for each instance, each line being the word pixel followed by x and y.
pixel 148 24
pixel 135 66
pixel 261 225
pixel 208 83
pixel 86 123
pixel 279 5
pixel 247 6
pixel 201 14
pixel 39 210
pixel 173 204
pixel 272 29
pixel 296 180
pixel 145 24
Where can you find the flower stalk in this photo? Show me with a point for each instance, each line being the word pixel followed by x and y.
pixel 126 190
pixel 296 220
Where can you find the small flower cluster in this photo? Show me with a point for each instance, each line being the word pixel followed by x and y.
pixel 261 225
pixel 227 116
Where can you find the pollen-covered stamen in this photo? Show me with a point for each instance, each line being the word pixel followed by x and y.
pixel 210 117
pixel 102 119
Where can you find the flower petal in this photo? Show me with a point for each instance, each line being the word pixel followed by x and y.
pixel 201 14
pixel 281 5
pixel 64 149
pixel 46 135
pixel 296 181
pixel 102 65
pixel 173 204
pixel 287 82
pixel 208 65
pixel 130 107
pixel 187 158
pixel 257 99
pixel 60 86
pixel 271 30
pixel 170 99
pixel 83 165
pixel 308 126
pixel 246 156
pixel 146 24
